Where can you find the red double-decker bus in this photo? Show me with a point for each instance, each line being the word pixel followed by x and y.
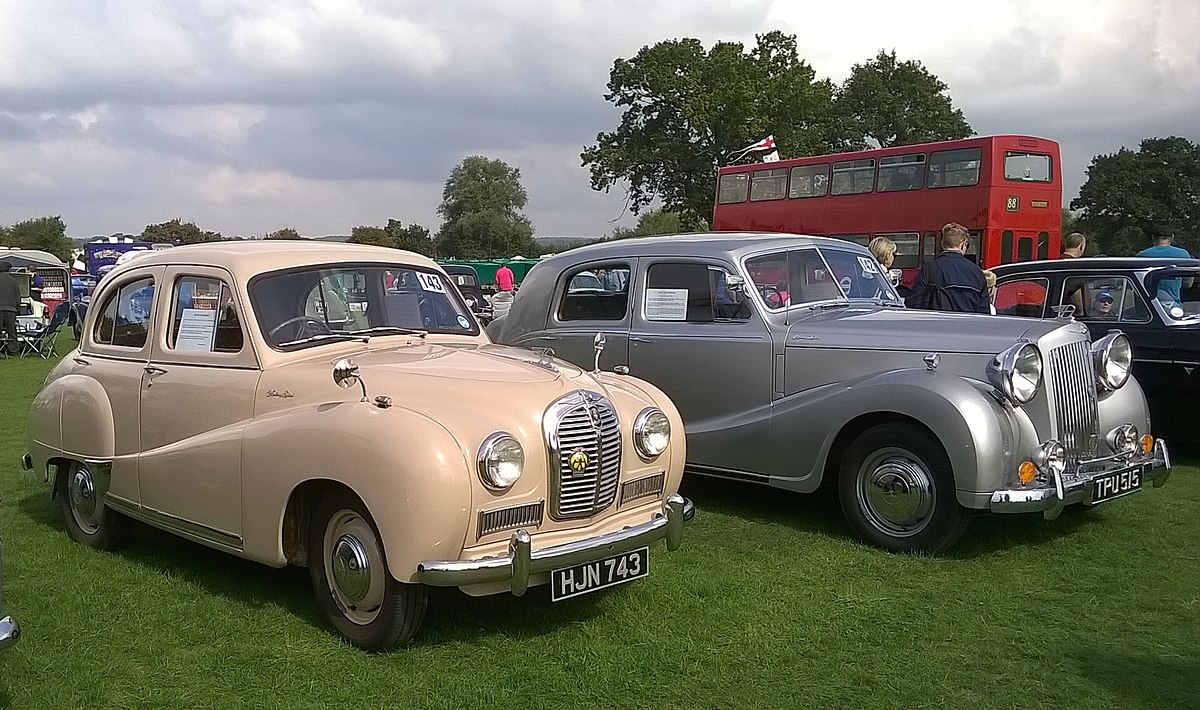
pixel 1007 190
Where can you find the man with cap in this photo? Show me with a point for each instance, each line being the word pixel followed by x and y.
pixel 1102 307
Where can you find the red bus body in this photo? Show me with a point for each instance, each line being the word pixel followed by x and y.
pixel 1007 190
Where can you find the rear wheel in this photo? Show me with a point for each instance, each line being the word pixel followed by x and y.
pixel 896 487
pixel 350 577
pixel 88 520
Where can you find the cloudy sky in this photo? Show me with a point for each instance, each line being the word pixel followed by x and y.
pixel 246 116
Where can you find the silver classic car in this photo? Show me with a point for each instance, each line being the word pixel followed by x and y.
pixel 793 362
pixel 337 407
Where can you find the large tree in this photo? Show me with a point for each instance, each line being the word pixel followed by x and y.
pixel 1127 193
pixel 890 102
pixel 48 234
pixel 178 232
pixel 686 109
pixel 285 233
pixel 661 222
pixel 481 205
pixel 395 235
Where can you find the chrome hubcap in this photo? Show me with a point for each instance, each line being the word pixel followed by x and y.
pixel 896 492
pixel 354 566
pixel 84 507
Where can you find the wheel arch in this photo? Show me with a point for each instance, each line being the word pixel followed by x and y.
pixel 854 428
pixel 298 513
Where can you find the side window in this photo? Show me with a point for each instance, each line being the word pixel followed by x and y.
pixel 1025 249
pixel 733 188
pixel 125 316
pixel 1105 298
pixel 908 255
pixel 954 168
pixel 203 317
pixel 851 177
pixel 809 181
pixel 769 275
pixel 768 184
pixel 901 172
pixel 1006 247
pixel 974 239
pixel 596 292
pixel 1023 297
pixel 680 292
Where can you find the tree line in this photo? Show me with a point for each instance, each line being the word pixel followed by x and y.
pixel 687 110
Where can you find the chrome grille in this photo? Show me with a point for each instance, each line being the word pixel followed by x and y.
pixel 642 487
pixel 491 521
pixel 583 424
pixel 1073 394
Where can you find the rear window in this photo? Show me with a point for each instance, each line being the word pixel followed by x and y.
pixel 1026 167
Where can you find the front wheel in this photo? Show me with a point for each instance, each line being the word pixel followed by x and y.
pixel 350 578
pixel 896 487
pixel 88 520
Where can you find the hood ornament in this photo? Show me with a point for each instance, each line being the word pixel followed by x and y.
pixel 598 343
pixel 545 359
pixel 932 360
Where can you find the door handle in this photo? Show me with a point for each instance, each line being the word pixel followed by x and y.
pixel 80 361
pixel 152 370
pixel 548 337
pixel 635 339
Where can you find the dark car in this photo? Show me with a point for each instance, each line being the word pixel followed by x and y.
pixel 467 281
pixel 1156 302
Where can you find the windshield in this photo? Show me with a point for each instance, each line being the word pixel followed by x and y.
pixel 323 303
pixel 813 275
pixel 1177 292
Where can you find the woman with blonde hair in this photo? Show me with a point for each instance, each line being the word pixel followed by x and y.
pixel 884 250
pixel 989 278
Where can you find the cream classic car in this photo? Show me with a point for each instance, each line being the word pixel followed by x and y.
pixel 338 407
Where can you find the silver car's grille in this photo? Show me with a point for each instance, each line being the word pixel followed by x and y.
pixel 1073 394
pixel 584 439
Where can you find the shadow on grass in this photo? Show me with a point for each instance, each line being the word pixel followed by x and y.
pixel 452 616
pixel 820 513
pixel 1143 680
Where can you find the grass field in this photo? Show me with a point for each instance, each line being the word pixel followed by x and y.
pixel 768 604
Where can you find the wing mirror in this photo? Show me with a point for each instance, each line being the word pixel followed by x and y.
pixel 345 375
pixel 734 283
pixel 598 344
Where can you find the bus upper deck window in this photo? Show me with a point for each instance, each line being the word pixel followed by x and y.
pixel 901 172
pixel 851 177
pixel 954 168
pixel 768 184
pixel 1026 167
pixel 809 181
pixel 733 188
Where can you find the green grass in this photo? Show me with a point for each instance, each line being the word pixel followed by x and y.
pixel 769 604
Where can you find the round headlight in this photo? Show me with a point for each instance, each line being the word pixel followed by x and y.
pixel 1123 440
pixel 651 433
pixel 501 460
pixel 1113 357
pixel 1017 372
pixel 1051 458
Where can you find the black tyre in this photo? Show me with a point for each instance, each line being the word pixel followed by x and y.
pixel 88 520
pixel 350 577
pixel 896 487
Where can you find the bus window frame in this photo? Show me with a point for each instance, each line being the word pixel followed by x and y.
pixel 813 174
pixel 894 164
pixel 856 166
pixel 743 178
pixel 1029 154
pixel 768 177
pixel 933 160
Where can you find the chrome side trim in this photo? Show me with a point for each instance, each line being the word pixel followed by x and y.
pixel 191 528
pixel 521 561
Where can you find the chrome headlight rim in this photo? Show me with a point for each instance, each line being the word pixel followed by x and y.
pixel 1124 439
pixel 1004 374
pixel 492 477
pixel 1104 352
pixel 641 437
pixel 1051 458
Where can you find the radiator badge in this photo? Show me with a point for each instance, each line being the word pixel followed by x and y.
pixel 578 461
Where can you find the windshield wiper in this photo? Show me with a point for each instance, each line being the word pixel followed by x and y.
pixel 388 330
pixel 320 337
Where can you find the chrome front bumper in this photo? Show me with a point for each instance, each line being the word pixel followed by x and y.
pixel 522 561
pixel 1050 500
pixel 10 632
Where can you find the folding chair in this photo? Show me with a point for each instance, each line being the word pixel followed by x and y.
pixel 44 341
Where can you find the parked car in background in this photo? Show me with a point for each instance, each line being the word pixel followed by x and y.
pixel 793 363
pixel 467 281
pixel 337 407
pixel 1155 302
pixel 10 630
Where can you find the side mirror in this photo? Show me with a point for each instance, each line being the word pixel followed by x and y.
pixel 894 276
pixel 734 283
pixel 345 375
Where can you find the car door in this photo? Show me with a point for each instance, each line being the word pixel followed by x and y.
pixel 114 353
pixel 711 352
pixel 196 397
pixel 588 299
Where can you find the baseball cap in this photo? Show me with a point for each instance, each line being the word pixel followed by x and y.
pixel 1104 296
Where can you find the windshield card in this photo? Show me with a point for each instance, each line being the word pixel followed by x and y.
pixel 196 330
pixel 868 265
pixel 431 282
pixel 666 303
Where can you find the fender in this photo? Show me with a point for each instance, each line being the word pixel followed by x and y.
pixel 1124 406
pixel 91 434
pixel 982 437
pixel 393 459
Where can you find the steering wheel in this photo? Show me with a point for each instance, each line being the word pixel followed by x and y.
pixel 771 295
pixel 305 326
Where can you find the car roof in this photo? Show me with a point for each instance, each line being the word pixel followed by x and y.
pixel 732 244
pixel 246 258
pixel 1094 263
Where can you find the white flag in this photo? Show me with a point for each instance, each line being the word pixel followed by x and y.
pixel 771 157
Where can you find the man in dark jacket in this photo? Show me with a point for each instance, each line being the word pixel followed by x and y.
pixel 951 282
pixel 10 305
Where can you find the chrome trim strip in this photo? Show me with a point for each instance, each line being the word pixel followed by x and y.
pixel 521 561
pixel 193 528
